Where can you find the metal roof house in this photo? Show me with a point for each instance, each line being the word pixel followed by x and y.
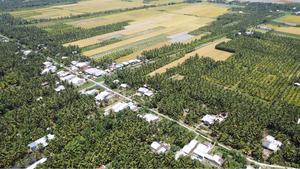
pixel 150 117
pixel 34 165
pixel 102 96
pixel 43 141
pixel 271 143
pixel 145 91
pixel 95 72
pixel 119 107
pixel 159 148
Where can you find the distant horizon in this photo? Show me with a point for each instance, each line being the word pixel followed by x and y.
pixel 273 1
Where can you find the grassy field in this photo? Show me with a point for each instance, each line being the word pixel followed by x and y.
pixel 206 51
pixel 286 29
pixel 84 6
pixel 292 19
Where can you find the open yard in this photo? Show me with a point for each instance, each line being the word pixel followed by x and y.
pixel 206 51
pixel 150 27
pixel 84 6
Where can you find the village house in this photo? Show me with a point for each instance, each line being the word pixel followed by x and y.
pixel 95 72
pixel 62 73
pixel 40 142
pixel 89 92
pixel 26 52
pixel 199 151
pixel 48 68
pixel 150 117
pixel 132 106
pixel 269 142
pixel 35 164
pixel 60 88
pixel 76 81
pixel 211 119
pixel 80 65
pixel 159 147
pixel 145 91
pixel 124 85
pixel 105 95
pixel 297 84
pixel 119 107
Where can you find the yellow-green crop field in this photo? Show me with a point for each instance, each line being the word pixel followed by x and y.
pixel 291 19
pixel 85 6
pixel 149 23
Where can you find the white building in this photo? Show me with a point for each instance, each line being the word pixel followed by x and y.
pixel 60 88
pixel 81 64
pixel 103 96
pixel 209 119
pixel 90 92
pixel 158 147
pixel 132 106
pixel 200 152
pixel 145 91
pixel 270 143
pixel 68 77
pixel 95 72
pixel 62 73
pixel 47 64
pixel 35 164
pixel 77 81
pixel 187 149
pixel 26 52
pixel 124 85
pixel 41 142
pixel 150 117
pixel 119 107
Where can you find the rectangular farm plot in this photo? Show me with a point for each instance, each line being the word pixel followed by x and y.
pixel 286 29
pixel 206 51
pixel 148 24
pixel 290 19
pixel 77 8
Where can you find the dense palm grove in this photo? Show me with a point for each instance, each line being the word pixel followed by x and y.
pixel 84 138
pixel 254 86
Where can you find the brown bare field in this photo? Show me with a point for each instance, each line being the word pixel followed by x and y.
pixel 206 51
pixel 286 29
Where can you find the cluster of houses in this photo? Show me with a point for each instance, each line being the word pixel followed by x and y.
pixel 88 70
pixel 70 78
pixel 211 119
pixel 115 66
pixel 160 147
pixel 199 151
pixel 48 67
pixel 39 143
